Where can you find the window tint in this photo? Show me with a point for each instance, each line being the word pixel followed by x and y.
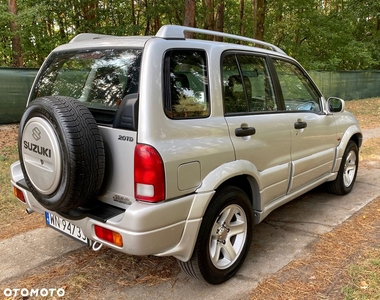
pixel 297 90
pixel 247 85
pixel 98 78
pixel 186 86
pixel 234 95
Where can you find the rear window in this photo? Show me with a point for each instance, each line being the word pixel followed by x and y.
pixel 98 78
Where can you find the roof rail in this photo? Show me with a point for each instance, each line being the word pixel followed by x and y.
pixel 176 31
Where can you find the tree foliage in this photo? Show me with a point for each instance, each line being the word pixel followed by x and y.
pixel 321 34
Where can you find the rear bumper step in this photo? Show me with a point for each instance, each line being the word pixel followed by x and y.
pixel 97 210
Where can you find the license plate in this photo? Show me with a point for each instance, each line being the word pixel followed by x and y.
pixel 65 227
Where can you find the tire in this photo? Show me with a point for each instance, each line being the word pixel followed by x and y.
pixel 224 237
pixel 348 170
pixel 61 153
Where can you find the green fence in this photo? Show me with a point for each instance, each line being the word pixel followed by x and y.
pixel 348 85
pixel 15 86
pixel 14 89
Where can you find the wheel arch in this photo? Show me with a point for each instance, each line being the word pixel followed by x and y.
pixel 357 139
pixel 240 173
pixel 248 185
pixel 207 261
pixel 354 134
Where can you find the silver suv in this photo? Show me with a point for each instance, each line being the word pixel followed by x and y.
pixel 171 146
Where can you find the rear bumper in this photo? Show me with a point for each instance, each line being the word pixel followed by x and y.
pixel 163 229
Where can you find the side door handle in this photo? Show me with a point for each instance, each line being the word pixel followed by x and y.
pixel 300 124
pixel 245 131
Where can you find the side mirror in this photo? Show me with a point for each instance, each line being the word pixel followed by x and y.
pixel 335 105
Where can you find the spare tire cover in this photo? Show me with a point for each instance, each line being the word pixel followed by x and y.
pixel 61 152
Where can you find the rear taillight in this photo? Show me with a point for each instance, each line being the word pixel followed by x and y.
pixel 149 174
pixel 19 194
pixel 108 235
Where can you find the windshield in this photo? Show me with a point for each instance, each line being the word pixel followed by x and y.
pixel 98 78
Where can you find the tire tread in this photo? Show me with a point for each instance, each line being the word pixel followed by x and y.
pixel 79 134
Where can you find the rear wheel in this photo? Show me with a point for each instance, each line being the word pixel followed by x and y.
pixel 224 237
pixel 348 170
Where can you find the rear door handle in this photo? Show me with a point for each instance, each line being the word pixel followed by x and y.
pixel 300 125
pixel 245 131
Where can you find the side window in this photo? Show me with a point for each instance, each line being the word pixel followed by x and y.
pixel 234 95
pixel 297 90
pixel 247 85
pixel 186 84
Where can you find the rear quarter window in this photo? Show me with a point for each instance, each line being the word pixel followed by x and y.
pixel 186 84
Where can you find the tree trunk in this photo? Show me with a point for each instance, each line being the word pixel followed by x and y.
pixel 17 60
pixel 133 15
pixel 241 29
pixel 259 7
pixel 157 23
pixel 189 20
pixel 89 11
pixel 219 20
pixel 62 31
pixel 147 25
pixel 209 17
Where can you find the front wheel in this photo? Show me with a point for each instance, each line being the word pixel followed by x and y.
pixel 348 170
pixel 224 237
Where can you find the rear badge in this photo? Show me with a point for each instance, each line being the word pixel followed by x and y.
pixel 37 149
pixel 36 133
pixel 122 199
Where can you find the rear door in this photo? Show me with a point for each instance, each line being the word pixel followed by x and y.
pixel 259 132
pixel 313 133
pixel 104 80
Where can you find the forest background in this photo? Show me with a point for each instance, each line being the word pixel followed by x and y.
pixel 320 34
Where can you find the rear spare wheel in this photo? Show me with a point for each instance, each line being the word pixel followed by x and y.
pixel 61 152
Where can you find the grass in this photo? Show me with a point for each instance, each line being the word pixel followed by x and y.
pixel 367 111
pixel 364 278
pixel 83 273
pixel 335 259
pixel 8 154
pixel 13 219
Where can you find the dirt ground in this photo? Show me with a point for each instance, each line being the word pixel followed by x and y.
pixel 323 271
pixel 319 274
pixel 8 139
pixel 8 135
